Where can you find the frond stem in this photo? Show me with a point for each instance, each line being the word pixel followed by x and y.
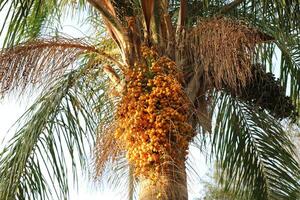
pixel 227 8
pixel 104 11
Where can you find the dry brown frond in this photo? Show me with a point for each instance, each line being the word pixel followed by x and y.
pixel 107 149
pixel 38 61
pixel 222 50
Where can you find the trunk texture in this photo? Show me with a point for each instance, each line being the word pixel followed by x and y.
pixel 172 185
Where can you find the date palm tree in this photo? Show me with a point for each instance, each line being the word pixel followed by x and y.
pixel 164 75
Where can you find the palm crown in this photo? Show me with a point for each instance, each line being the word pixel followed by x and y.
pixel 216 56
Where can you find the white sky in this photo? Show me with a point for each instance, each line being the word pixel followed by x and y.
pixel 12 108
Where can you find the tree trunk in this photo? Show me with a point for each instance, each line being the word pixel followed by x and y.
pixel 172 185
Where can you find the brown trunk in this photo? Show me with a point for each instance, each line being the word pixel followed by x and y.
pixel 171 186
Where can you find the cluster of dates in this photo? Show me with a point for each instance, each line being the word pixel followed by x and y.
pixel 153 116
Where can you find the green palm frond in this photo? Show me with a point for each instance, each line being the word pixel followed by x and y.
pixel 255 154
pixel 58 132
pixel 28 19
pixel 290 64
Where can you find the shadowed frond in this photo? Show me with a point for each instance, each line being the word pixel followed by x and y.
pixel 58 134
pixel 253 151
pixel 265 92
pixel 39 61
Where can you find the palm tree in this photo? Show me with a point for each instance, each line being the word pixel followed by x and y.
pixel 185 73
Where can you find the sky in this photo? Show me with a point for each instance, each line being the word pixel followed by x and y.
pixel 13 107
